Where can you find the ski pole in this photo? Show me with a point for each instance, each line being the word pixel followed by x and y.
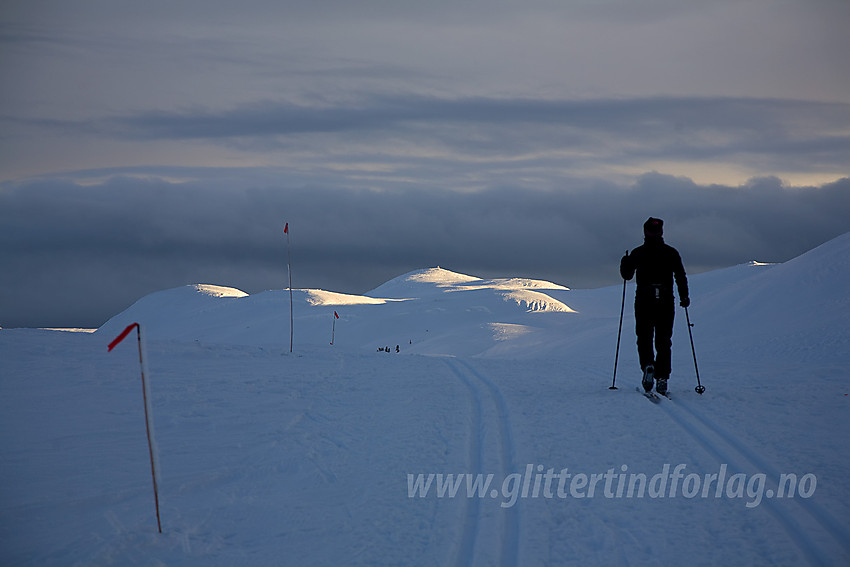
pixel 619 332
pixel 699 388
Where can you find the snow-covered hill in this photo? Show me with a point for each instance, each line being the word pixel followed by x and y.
pixel 436 311
pixel 433 311
pixel 323 456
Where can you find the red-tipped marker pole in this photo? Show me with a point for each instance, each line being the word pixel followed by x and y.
pixel 333 327
pixel 289 269
pixel 146 397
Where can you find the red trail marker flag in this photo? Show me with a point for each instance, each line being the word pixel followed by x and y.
pixel 122 336
pixel 148 413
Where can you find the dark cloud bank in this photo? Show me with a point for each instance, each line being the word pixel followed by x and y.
pixel 73 255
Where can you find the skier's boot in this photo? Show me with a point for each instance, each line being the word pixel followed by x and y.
pixel 661 386
pixel 648 377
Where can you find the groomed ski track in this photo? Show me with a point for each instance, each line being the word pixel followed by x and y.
pixel 743 458
pixel 489 415
pixel 730 450
pixel 486 538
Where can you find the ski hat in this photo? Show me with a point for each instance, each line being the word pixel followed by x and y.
pixel 653 227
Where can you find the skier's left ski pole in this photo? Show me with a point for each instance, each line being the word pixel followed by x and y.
pixel 619 332
pixel 699 388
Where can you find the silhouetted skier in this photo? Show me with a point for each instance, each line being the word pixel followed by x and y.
pixel 656 265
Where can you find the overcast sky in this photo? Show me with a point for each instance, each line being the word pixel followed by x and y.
pixel 145 145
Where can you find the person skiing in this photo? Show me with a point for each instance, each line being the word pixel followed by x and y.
pixel 656 265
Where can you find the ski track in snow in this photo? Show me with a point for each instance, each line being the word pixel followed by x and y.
pixel 471 520
pixel 472 550
pixel 788 520
pixel 728 449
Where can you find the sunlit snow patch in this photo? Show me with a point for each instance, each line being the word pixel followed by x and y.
pixel 508 331
pixel 536 302
pixel 513 284
pixel 317 297
pixel 218 291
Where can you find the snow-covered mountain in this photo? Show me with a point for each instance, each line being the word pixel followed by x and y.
pixel 323 457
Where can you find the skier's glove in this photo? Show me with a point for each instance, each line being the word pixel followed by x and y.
pixel 686 301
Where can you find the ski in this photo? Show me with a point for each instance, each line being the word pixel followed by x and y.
pixel 654 397
pixel 651 396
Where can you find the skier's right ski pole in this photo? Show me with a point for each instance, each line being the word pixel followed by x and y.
pixel 619 331
pixel 699 388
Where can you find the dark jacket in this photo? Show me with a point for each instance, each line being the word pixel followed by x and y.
pixel 656 264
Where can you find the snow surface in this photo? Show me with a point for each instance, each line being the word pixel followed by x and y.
pixel 277 458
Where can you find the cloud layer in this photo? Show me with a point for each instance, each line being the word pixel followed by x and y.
pixel 75 254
